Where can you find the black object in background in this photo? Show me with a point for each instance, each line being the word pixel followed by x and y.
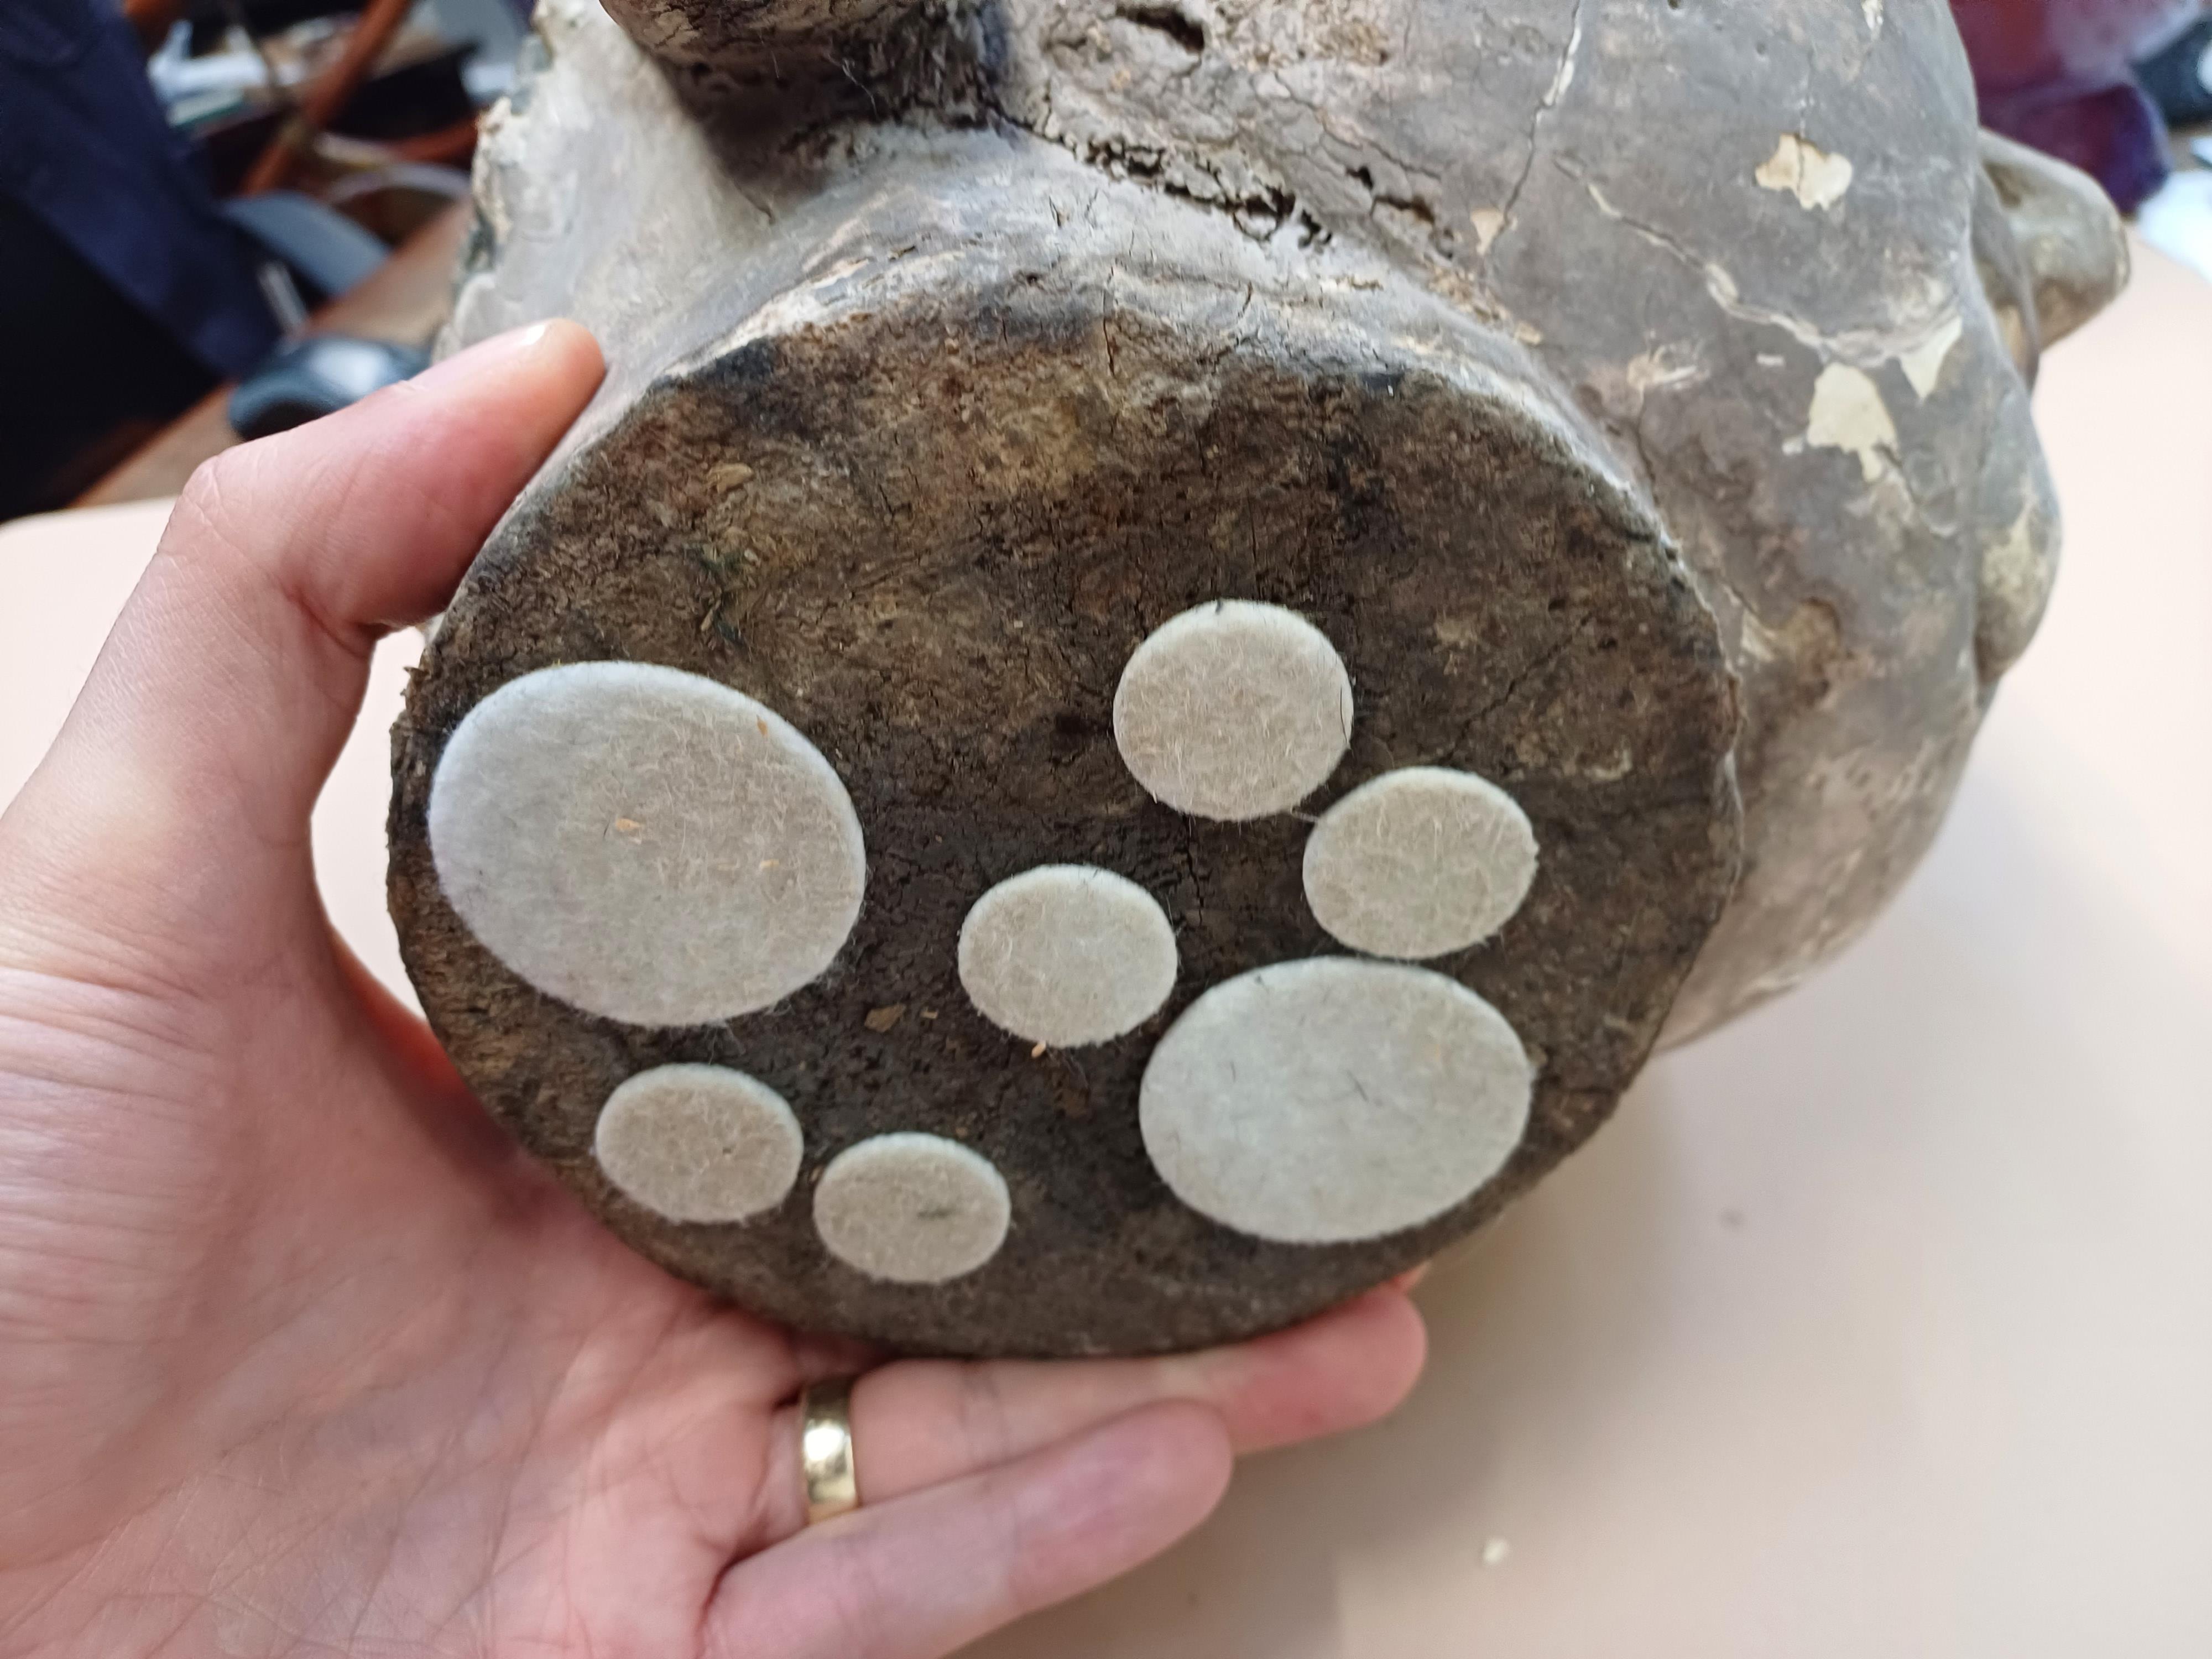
pixel 123 293
pixel 315 375
pixel 85 375
pixel 2177 77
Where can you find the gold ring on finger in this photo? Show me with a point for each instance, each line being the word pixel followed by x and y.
pixel 825 1448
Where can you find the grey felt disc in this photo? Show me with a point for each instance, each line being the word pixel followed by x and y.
pixel 914 1209
pixel 645 844
pixel 1067 955
pixel 700 1143
pixel 1234 710
pixel 1329 1100
pixel 1419 862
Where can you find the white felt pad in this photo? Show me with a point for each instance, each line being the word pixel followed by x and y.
pixel 1419 862
pixel 1233 711
pixel 1319 1102
pixel 699 1142
pixel 1067 954
pixel 645 844
pixel 915 1209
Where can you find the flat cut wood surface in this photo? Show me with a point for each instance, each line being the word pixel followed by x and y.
pixel 1877 1324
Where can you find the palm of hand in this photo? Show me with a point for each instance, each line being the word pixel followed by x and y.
pixel 297 1353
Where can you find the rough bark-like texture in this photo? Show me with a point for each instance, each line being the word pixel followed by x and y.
pixel 733 48
pixel 925 505
pixel 940 379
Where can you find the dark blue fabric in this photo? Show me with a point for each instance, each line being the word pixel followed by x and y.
pixel 85 147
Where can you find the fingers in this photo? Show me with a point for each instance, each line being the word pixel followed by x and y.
pixel 917 1423
pixel 988 1491
pixel 231 680
pixel 918 1578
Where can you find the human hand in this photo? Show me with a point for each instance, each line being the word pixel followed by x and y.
pixel 298 1352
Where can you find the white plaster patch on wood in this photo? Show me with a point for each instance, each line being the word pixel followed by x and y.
pixel 1923 363
pixel 1067 954
pixel 699 1142
pixel 1564 77
pixel 1855 344
pixel 1330 1100
pixel 1233 710
pixel 1847 413
pixel 1666 366
pixel 1801 168
pixel 1418 863
pixel 1624 389
pixel 2017 570
pixel 914 1209
pixel 645 844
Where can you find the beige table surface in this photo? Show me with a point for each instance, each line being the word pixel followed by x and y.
pixel 1879 1324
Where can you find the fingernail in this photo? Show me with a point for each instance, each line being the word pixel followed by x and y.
pixel 483 355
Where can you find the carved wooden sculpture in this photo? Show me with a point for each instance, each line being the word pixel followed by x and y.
pixel 1184 629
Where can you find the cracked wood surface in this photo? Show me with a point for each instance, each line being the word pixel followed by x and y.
pixel 925 507
pixel 1817 380
pixel 1581 174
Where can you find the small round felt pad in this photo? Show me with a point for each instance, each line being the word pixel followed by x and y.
pixel 1418 863
pixel 1067 954
pixel 699 1142
pixel 1329 1100
pixel 1233 711
pixel 645 844
pixel 914 1209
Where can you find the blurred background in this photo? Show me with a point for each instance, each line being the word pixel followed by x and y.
pixel 188 188
pixel 220 216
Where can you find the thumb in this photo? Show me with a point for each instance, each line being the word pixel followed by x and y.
pixel 229 684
